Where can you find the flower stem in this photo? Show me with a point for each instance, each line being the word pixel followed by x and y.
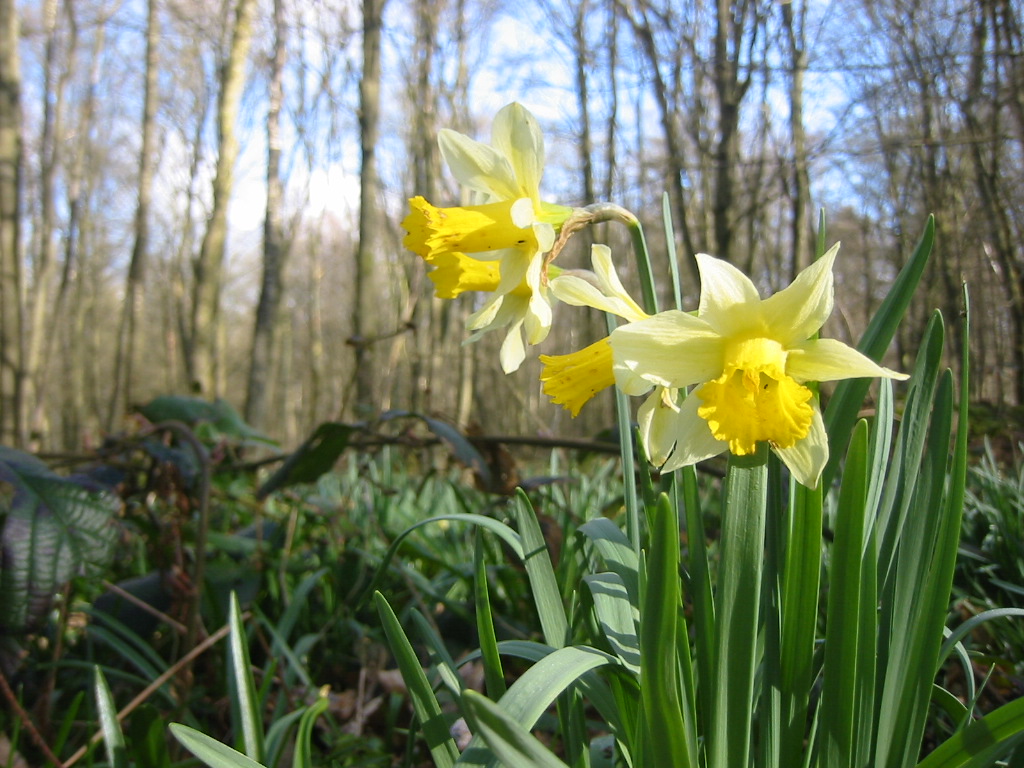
pixel 737 607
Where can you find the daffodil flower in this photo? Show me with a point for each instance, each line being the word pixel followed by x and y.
pixel 748 359
pixel 571 380
pixel 496 245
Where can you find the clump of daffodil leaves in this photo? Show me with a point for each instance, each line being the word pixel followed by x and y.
pixel 759 669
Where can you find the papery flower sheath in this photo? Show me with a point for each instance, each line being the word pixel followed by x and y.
pixel 748 360
pixel 497 244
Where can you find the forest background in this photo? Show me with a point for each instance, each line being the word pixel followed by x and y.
pixel 205 197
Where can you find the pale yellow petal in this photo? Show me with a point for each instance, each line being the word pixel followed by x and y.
pixel 483 318
pixel 675 438
pixel 831 360
pixel 578 292
pixel 797 311
pixel 729 302
pixel 537 321
pixel 512 351
pixel 516 134
pixel 478 166
pixel 515 263
pixel 807 458
pixel 671 349
pixel 608 279
pixel 545 235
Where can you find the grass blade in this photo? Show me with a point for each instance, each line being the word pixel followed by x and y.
pixel 543 585
pixel 512 744
pixel 209 750
pixel 424 703
pixel 663 715
pixel 841 414
pixel 303 739
pixel 244 689
pixel 846 601
pixel 494 675
pixel 113 737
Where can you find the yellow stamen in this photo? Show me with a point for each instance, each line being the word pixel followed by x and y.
pixel 754 400
pixel 469 229
pixel 571 380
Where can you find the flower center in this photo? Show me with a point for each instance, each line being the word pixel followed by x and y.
pixel 754 399
pixel 468 229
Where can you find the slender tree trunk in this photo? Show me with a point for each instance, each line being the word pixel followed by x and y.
pixel 583 63
pixel 673 144
pixel 45 266
pixel 366 304
pixel 423 101
pixel 793 21
pixel 80 176
pixel 203 363
pixel 730 36
pixel 12 420
pixel 275 249
pixel 135 284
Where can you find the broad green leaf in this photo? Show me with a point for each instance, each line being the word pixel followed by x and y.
pixel 54 528
pixel 459 445
pixel 616 552
pixel 537 688
pixel 981 742
pixel 317 455
pixel 213 420
pixel 615 617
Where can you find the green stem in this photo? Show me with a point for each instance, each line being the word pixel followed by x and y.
pixel 737 608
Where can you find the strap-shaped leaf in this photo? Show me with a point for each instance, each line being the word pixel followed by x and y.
pixel 510 742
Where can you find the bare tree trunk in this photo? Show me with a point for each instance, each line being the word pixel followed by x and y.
pixel 794 23
pixel 583 63
pixel 203 362
pixel 45 266
pixel 12 417
pixel 987 157
pixel 366 303
pixel 731 36
pixel 425 160
pixel 135 285
pixel 80 177
pixel 275 249
pixel 676 159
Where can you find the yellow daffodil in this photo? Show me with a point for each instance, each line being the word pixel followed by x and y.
pixel 497 244
pixel 748 360
pixel 571 380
